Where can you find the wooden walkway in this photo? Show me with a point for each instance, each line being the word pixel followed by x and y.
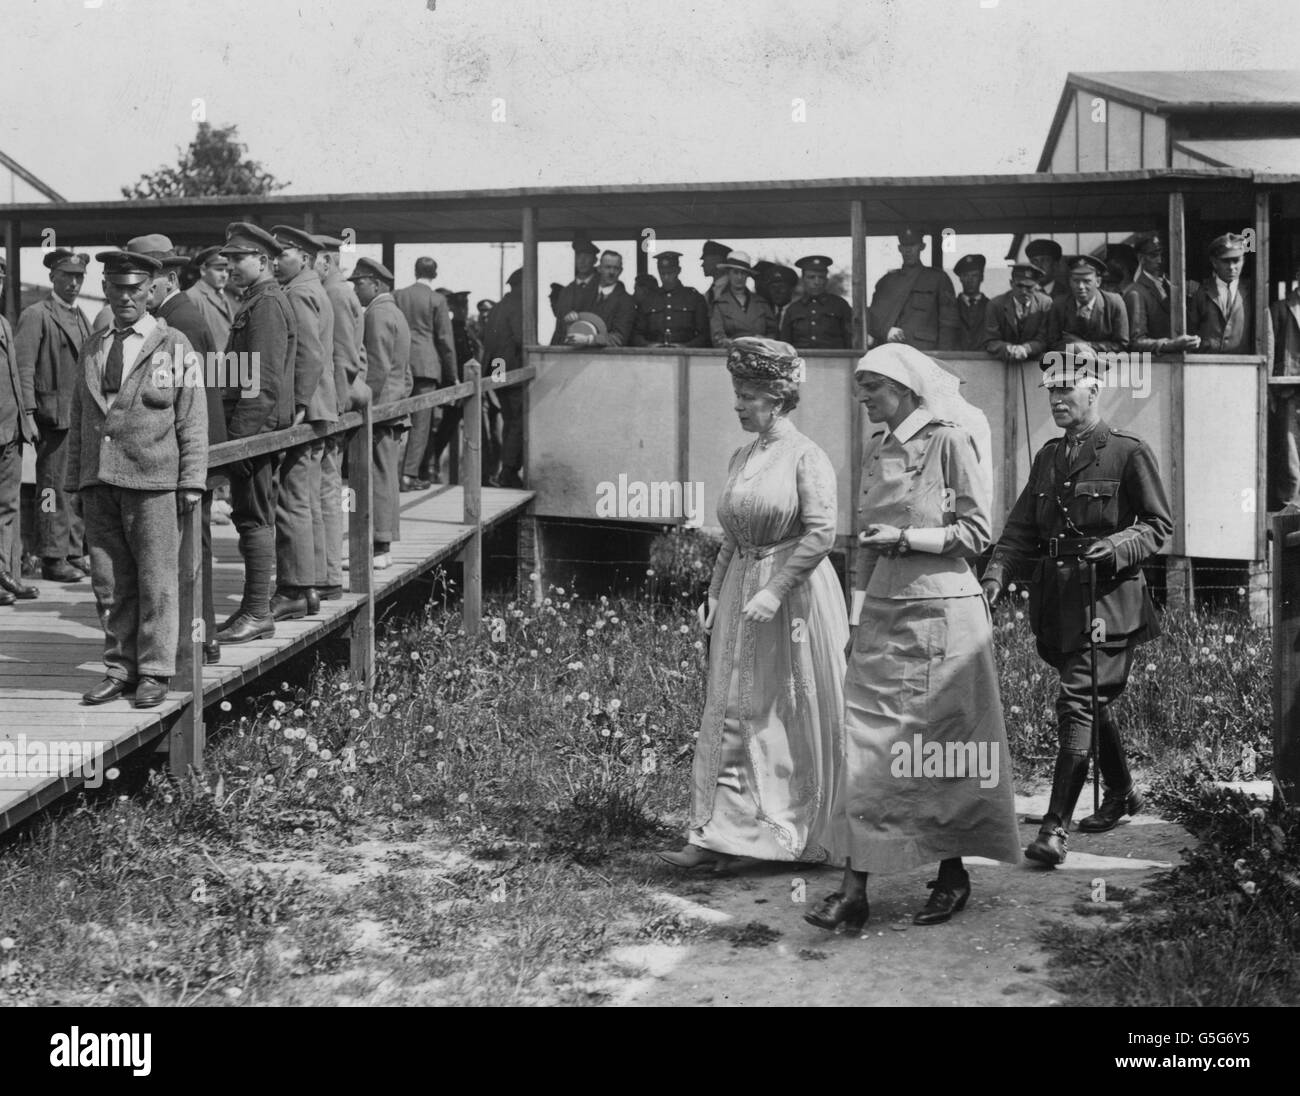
pixel 51 649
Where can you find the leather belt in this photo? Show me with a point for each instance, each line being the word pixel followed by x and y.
pixel 763 551
pixel 1065 547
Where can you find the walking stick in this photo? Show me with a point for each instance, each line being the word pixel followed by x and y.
pixel 1024 400
pixel 1092 660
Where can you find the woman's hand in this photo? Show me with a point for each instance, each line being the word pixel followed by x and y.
pixel 705 614
pixel 762 607
pixel 879 536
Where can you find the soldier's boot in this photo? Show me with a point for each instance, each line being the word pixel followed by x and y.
pixel 1122 796
pixel 1049 847
pixel 254 619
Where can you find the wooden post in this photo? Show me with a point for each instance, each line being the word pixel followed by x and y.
pixel 13 295
pixel 187 740
pixel 936 248
pixel 642 258
pixel 472 494
pixel 684 423
pixel 858 247
pixel 1177 264
pixel 529 288
pixel 1011 400
pixel 531 559
pixel 388 246
pixel 1286 666
pixel 1263 264
pixel 361 549
pixel 1179 592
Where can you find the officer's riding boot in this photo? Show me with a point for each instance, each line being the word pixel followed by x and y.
pixel 1122 796
pixel 254 619
pixel 1049 847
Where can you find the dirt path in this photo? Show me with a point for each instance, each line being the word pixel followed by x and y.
pixel 987 955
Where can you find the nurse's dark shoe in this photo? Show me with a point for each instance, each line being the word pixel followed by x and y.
pixel 838 909
pixel 947 896
pixel 693 858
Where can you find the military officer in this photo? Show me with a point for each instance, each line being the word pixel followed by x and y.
pixel 916 304
pixel 217 299
pixel 265 333
pixel 300 561
pixel 972 305
pixel 580 294
pixel 781 281
pixel 49 339
pixel 137 453
pixel 1046 255
pixel 1015 328
pixel 17 425
pixel 1090 316
pixel 1094 497
pixel 818 320
pixel 1222 309
pixel 388 373
pixel 674 314
pixel 1147 301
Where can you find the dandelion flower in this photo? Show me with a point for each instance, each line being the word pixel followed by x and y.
pixel 274 724
pixel 547 650
pixel 1151 667
pixel 615 704
pixel 532 576
pixel 698 645
pixel 604 732
pixel 278 706
pixel 1258 814
pixel 372 707
pixel 1249 888
pixel 584 696
pixel 299 832
pixel 684 630
pixel 684 664
pixel 650 571
pixel 1024 595
pixel 590 632
pixel 311 774
pixel 1204 651
pixel 1241 590
pixel 415 656
pixel 1229 639
pixel 348 791
pixel 225 705
pixel 1207 699
pixel 7 943
pixel 663 627
pixel 559 591
pixel 1020 615
pixel 613 620
pixel 532 653
pixel 326 755
pixel 1012 588
pixel 1015 710
pixel 354 713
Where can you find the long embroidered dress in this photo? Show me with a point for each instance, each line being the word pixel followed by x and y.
pixel 769 742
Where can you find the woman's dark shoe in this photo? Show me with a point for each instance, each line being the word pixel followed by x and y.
pixel 947 896
pixel 1114 806
pixel 838 909
pixel 693 858
pixel 1048 848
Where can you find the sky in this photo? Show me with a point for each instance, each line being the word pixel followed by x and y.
pixel 340 96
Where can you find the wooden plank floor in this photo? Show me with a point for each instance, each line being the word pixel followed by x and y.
pixel 51 650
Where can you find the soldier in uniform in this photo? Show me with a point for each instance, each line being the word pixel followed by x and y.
pixel 818 320
pixel 433 363
pixel 1094 496
pixel 1147 301
pixel 711 255
pixel 914 305
pixel 388 373
pixel 49 339
pixel 217 299
pixel 1046 255
pixel 781 281
pixel 1221 311
pixel 17 425
pixel 1015 328
pixel 264 326
pixel 674 314
pixel 1090 316
pixel 580 294
pixel 972 305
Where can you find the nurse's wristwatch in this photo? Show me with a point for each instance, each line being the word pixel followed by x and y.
pixel 904 545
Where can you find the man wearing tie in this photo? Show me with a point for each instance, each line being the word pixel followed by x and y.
pixel 1015 327
pixel 1089 316
pixel 137 453
pixel 972 305
pixel 1147 301
pixel 217 299
pixel 1221 310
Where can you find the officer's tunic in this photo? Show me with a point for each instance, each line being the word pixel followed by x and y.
pixel 972 317
pixel 824 322
pixel 671 317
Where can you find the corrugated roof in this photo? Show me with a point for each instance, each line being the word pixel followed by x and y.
pixel 1273 154
pixel 1264 89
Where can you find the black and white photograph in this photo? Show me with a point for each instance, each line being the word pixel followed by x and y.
pixel 558 503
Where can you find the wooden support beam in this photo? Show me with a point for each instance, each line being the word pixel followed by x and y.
pixel 858 249
pixel 936 248
pixel 1263 265
pixel 388 246
pixel 472 554
pixel 13 294
pixel 1180 593
pixel 1286 667
pixel 684 422
pixel 358 499
pixel 530 575
pixel 186 741
pixel 1177 264
pixel 642 258
pixel 529 288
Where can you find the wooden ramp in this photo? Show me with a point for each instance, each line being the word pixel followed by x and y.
pixel 51 649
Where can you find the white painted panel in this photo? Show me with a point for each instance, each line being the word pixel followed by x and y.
pixel 1222 453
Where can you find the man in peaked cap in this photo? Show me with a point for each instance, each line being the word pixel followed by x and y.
pixel 433 364
pixel 818 320
pixel 673 314
pixel 137 453
pixel 580 294
pixel 1046 255
pixel 503 340
pixel 781 281
pixel 1107 511
pixel 351 393
pixel 1015 327
pixel 48 342
pixel 17 425
pixel 300 557
pixel 915 304
pixel 1090 316
pixel 179 311
pixel 711 255
pixel 216 297
pixel 972 304
pixel 264 343
pixel 1222 309
pixel 388 373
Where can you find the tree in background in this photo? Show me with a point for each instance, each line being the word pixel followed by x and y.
pixel 214 164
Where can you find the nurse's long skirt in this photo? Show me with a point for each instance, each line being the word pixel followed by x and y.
pixel 926 773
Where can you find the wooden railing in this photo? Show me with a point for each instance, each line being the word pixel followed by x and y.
pixel 186 740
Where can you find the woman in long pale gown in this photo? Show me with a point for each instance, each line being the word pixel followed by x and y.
pixel 769 740
pixel 926 774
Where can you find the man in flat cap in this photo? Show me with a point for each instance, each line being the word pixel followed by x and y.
pixel 49 339
pixel 216 297
pixel 781 281
pixel 972 304
pixel 580 294
pixel 300 555
pixel 388 373
pixel 818 320
pixel 179 312
pixel 433 364
pixel 1147 301
pixel 263 334
pixel 1094 499
pixel 1221 311
pixel 351 393
pixel 17 425
pixel 1089 316
pixel 739 311
pixel 1046 255
pixel 711 255
pixel 1015 328
pixel 137 454
pixel 674 314
pixel 915 304
pixel 503 341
